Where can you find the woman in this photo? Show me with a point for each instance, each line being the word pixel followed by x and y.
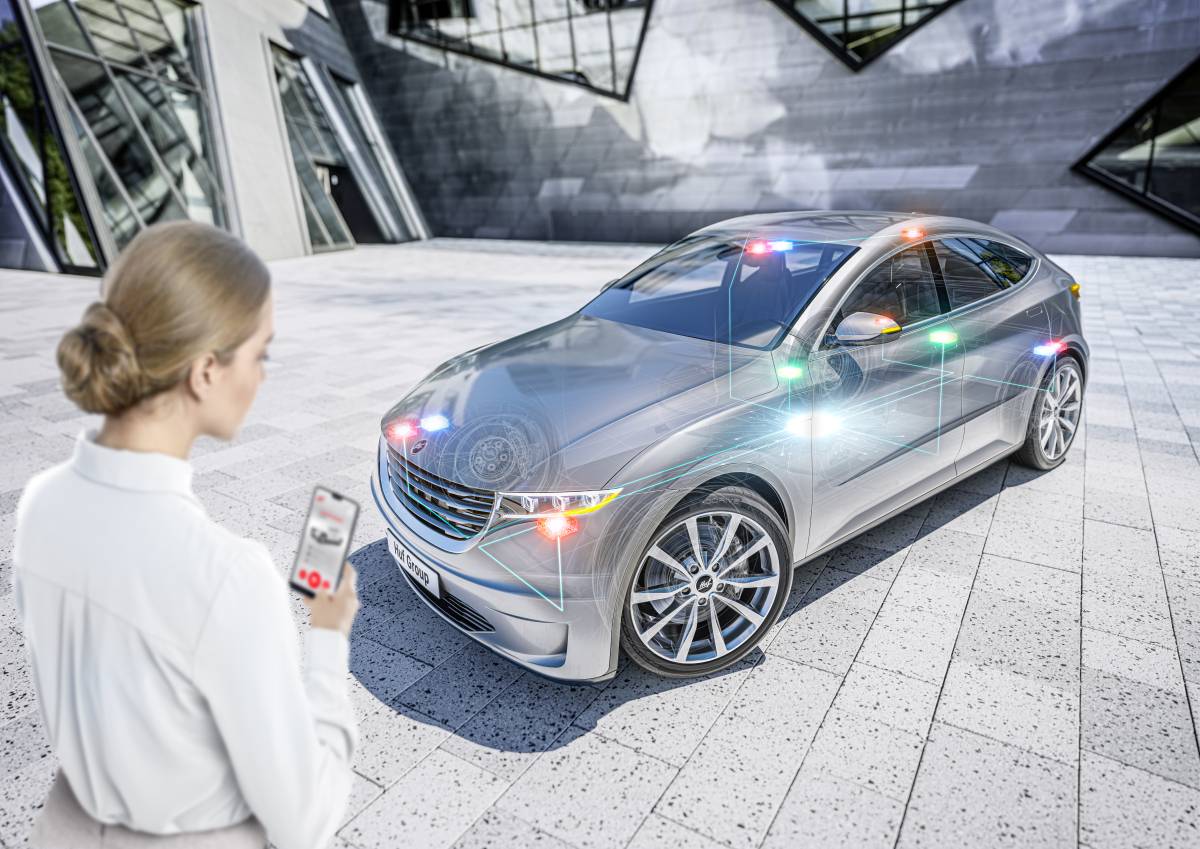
pixel 163 649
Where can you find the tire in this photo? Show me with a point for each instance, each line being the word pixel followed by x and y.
pixel 1059 401
pixel 666 605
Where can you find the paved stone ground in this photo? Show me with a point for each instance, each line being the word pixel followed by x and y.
pixel 1015 663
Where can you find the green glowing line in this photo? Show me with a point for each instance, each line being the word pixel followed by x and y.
pixel 941 392
pixel 558 607
pixel 915 365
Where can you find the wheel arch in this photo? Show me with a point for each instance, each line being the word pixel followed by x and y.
pixel 756 484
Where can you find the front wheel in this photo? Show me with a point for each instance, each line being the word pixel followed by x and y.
pixel 1055 417
pixel 711 583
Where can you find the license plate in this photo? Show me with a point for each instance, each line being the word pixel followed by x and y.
pixel 410 563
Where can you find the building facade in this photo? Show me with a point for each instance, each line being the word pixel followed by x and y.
pixel 313 125
pixel 248 115
pixel 643 119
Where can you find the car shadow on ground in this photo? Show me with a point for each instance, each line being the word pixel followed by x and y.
pixel 418 665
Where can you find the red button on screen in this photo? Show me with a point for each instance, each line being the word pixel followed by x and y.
pixel 325 585
pixel 303 574
pixel 314 579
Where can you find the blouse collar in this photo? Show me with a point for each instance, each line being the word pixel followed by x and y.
pixel 148 471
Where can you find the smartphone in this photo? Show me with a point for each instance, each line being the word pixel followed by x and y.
pixel 324 542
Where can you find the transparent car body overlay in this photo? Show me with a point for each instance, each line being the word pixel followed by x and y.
pixel 727 357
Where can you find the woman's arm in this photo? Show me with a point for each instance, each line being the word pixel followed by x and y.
pixel 290 738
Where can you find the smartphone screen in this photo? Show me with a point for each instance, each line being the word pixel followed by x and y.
pixel 324 542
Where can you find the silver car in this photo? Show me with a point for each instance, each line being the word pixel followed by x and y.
pixel 644 473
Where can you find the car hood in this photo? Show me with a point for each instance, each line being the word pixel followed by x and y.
pixel 566 405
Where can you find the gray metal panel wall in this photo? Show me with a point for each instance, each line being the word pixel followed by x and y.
pixel 735 108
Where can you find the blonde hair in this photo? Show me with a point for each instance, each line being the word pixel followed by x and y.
pixel 177 291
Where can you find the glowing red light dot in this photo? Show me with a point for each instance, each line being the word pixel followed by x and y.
pixel 303 574
pixel 314 580
pixel 325 585
pixel 912 232
pixel 557 527
pixel 758 248
pixel 402 430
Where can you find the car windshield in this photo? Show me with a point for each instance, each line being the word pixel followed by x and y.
pixel 738 289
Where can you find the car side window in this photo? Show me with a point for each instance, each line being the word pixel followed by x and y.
pixel 1007 264
pixel 901 288
pixel 967 274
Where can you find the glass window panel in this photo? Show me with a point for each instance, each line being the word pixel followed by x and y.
pixel 863 29
pixel 580 41
pixel 171 118
pixel 145 46
pixel 118 214
pixel 1175 169
pixel 10 30
pixel 314 148
pixel 21 121
pixel 32 150
pixel 104 20
pixel 115 132
pixel 349 98
pixel 1155 155
pixel 59 25
pixel 165 33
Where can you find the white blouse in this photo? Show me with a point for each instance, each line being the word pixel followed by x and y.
pixel 165 658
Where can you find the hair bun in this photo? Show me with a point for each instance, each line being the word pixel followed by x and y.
pixel 99 363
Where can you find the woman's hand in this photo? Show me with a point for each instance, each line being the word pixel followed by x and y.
pixel 336 610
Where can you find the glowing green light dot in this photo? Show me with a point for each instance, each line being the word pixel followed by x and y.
pixel 790 371
pixel 943 337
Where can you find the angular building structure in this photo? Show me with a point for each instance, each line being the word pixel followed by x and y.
pixel 525 119
pixel 247 115
pixel 314 125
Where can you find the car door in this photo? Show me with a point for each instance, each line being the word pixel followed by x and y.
pixel 879 408
pixel 1000 324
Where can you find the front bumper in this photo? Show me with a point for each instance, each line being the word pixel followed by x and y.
pixel 546 606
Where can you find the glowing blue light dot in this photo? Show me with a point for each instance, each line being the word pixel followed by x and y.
pixel 782 246
pixel 435 422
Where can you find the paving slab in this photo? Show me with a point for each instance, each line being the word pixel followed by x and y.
pixel 929 683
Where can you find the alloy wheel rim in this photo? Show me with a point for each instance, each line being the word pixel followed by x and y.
pixel 705 587
pixel 1061 405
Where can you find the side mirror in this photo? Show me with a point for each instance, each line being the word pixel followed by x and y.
pixel 864 326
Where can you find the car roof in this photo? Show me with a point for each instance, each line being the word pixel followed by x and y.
pixel 851 227
pixel 815 225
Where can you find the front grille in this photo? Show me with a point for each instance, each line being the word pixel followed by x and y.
pixel 455 609
pixel 452 509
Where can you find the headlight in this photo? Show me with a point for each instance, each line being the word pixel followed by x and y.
pixel 539 505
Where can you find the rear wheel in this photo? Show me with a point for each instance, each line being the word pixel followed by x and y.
pixel 1055 417
pixel 711 583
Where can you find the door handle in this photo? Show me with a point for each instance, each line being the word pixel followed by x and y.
pixel 1038 310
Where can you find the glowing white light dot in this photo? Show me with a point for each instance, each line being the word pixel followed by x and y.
pixel 435 422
